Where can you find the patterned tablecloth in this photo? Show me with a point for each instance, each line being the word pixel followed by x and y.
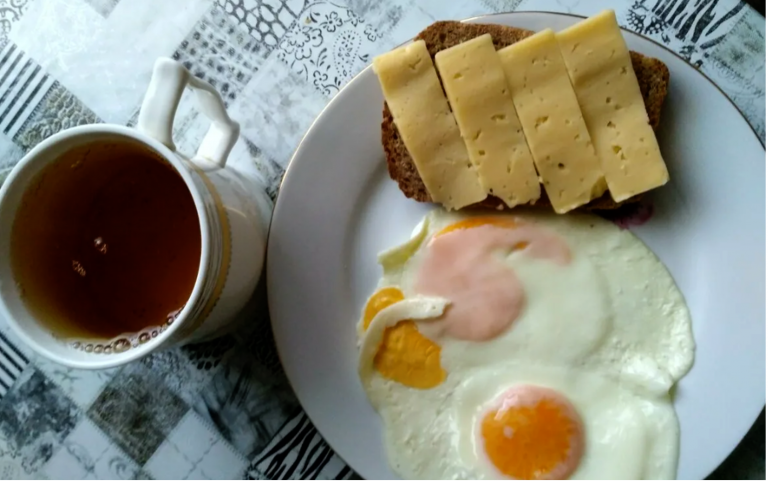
pixel 224 409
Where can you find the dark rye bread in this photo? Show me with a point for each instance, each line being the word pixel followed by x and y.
pixel 651 73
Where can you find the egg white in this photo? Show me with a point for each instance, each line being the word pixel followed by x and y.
pixel 615 308
pixel 433 434
pixel 628 435
pixel 611 331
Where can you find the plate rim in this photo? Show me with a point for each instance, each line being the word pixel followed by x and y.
pixel 336 98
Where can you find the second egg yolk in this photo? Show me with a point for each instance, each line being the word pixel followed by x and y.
pixel 404 356
pixel 381 299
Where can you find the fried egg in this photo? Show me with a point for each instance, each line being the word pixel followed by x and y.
pixel 552 422
pixel 521 421
pixel 588 294
pixel 489 333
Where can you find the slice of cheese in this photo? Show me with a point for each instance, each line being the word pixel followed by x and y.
pixel 426 125
pixel 477 90
pixel 552 121
pixel 601 72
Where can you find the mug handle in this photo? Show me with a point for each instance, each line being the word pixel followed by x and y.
pixel 169 78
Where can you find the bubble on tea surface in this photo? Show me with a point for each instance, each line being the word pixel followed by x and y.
pixel 100 245
pixel 121 345
pixel 143 337
pixel 107 349
pixel 78 268
pixel 98 349
pixel 88 348
pixel 76 345
pixel 173 315
pixel 154 333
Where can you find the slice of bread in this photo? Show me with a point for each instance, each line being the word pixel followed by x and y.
pixel 652 75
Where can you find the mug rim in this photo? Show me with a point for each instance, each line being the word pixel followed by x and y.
pixel 169 155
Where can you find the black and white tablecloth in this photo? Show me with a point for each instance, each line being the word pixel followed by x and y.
pixel 224 409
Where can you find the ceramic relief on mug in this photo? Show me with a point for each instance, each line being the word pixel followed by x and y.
pixel 113 244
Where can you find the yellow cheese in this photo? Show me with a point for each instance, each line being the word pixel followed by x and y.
pixel 479 96
pixel 601 72
pixel 552 121
pixel 426 125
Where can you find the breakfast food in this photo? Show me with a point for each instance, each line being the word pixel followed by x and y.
pixel 599 67
pixel 651 75
pixel 556 132
pixel 426 123
pixel 477 90
pixel 532 346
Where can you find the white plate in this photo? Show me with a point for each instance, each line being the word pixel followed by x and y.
pixel 338 208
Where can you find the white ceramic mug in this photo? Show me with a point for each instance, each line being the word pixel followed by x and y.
pixel 232 208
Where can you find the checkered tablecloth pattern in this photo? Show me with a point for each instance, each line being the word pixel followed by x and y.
pixel 224 409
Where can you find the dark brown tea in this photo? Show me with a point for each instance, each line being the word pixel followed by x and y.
pixel 106 242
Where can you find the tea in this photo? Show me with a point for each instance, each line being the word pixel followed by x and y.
pixel 106 242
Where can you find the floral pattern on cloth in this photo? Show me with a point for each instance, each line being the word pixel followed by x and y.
pixel 328 45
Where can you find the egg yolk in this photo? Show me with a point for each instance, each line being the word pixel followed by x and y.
pixel 504 222
pixel 380 300
pixel 534 433
pixel 404 356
